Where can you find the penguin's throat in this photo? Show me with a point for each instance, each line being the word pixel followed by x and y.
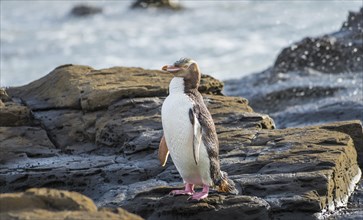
pixel 177 85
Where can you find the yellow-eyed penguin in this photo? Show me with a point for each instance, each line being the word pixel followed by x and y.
pixel 190 135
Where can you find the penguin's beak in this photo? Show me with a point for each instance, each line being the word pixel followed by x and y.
pixel 170 68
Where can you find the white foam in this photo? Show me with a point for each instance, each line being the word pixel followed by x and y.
pixel 243 38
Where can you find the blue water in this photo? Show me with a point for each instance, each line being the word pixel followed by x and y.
pixel 228 39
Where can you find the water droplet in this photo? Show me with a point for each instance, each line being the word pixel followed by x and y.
pixel 355 50
pixel 350 44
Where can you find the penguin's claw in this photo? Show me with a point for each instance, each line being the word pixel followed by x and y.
pixel 199 196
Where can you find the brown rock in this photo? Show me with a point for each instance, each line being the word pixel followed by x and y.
pixel 354 130
pixel 46 203
pixel 14 114
pixel 83 88
pixel 4 97
pixel 24 142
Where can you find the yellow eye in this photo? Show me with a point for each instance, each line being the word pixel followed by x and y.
pixel 185 66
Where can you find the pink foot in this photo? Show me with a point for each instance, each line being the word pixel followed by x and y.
pixel 201 195
pixel 189 190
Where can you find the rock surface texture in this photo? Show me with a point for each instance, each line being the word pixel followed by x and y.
pixel 312 81
pixel 97 132
pixel 43 203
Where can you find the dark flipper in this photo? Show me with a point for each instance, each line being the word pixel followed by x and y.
pixel 197 135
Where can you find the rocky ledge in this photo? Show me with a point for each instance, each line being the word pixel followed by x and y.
pixel 96 132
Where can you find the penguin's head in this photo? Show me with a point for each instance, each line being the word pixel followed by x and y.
pixel 185 68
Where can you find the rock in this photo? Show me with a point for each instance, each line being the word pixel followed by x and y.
pixel 106 148
pixel 164 4
pixel 83 88
pixel 316 80
pixel 354 209
pixel 301 169
pixel 327 54
pixel 13 113
pixel 354 22
pixel 24 142
pixel 354 130
pixel 156 204
pixel 4 97
pixel 85 10
pixel 46 203
pixel 334 53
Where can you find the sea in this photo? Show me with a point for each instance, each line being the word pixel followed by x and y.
pixel 228 39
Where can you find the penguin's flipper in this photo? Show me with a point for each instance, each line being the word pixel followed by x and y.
pixel 163 151
pixel 197 137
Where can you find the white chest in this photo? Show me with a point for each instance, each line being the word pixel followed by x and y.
pixel 177 127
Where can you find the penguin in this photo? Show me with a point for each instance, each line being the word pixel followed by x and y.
pixel 190 135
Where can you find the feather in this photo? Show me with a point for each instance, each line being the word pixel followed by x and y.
pixel 197 135
pixel 163 151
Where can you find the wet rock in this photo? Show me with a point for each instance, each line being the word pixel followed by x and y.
pixel 354 21
pixel 316 80
pixel 46 203
pixel 164 4
pixel 85 10
pixel 327 54
pixel 334 53
pixel 354 209
pixel 156 204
